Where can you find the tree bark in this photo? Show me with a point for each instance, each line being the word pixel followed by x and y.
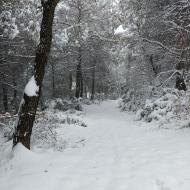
pixel 5 97
pixel 79 78
pixel 180 82
pixel 93 82
pixel 81 85
pixel 29 104
pixel 53 79
pixel 15 100
pixel 70 83
pixel 85 91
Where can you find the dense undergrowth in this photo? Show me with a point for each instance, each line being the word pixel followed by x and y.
pixel 170 108
pixel 58 118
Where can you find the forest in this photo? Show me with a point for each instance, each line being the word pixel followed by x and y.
pixel 94 92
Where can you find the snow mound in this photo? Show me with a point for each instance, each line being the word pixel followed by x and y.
pixel 21 153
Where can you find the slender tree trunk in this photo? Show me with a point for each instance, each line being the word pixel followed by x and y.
pixel 15 101
pixel 81 85
pixel 79 78
pixel 180 82
pixel 70 83
pixel 29 106
pixel 93 82
pixel 5 97
pixel 181 65
pixel 154 69
pixel 53 79
pixel 85 91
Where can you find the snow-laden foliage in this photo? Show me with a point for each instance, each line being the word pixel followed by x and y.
pixel 171 108
pixel 7 123
pixel 132 100
pixel 64 104
pixel 52 125
pixel 51 129
pixel 21 17
pixel 8 25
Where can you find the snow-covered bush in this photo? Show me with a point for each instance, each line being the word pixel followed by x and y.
pixel 7 123
pixel 100 97
pixel 130 101
pixel 57 129
pixel 172 106
pixel 64 104
pixel 86 101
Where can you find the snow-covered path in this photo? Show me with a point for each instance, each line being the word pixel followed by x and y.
pixel 119 154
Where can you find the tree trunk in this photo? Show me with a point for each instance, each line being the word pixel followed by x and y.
pixel 79 78
pixel 77 93
pixel 29 104
pixel 93 82
pixel 154 69
pixel 5 97
pixel 70 83
pixel 85 91
pixel 53 79
pixel 180 82
pixel 15 101
pixel 81 85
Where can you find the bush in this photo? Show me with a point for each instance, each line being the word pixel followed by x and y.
pixel 64 105
pixel 172 106
pixel 51 128
pixel 130 101
pixel 7 123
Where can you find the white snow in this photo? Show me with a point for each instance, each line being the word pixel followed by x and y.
pixel 31 88
pixel 120 30
pixel 118 154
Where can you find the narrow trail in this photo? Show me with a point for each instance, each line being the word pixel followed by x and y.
pixel 119 154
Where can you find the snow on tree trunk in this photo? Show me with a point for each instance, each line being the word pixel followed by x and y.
pixel 32 90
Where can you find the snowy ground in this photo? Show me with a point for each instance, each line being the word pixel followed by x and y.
pixel 118 153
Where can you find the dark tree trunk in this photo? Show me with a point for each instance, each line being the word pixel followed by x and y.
pixel 85 91
pixel 79 78
pixel 180 82
pixel 15 100
pixel 93 82
pixel 81 86
pixel 70 84
pixel 5 97
pixel 154 69
pixel 29 106
pixel 53 79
